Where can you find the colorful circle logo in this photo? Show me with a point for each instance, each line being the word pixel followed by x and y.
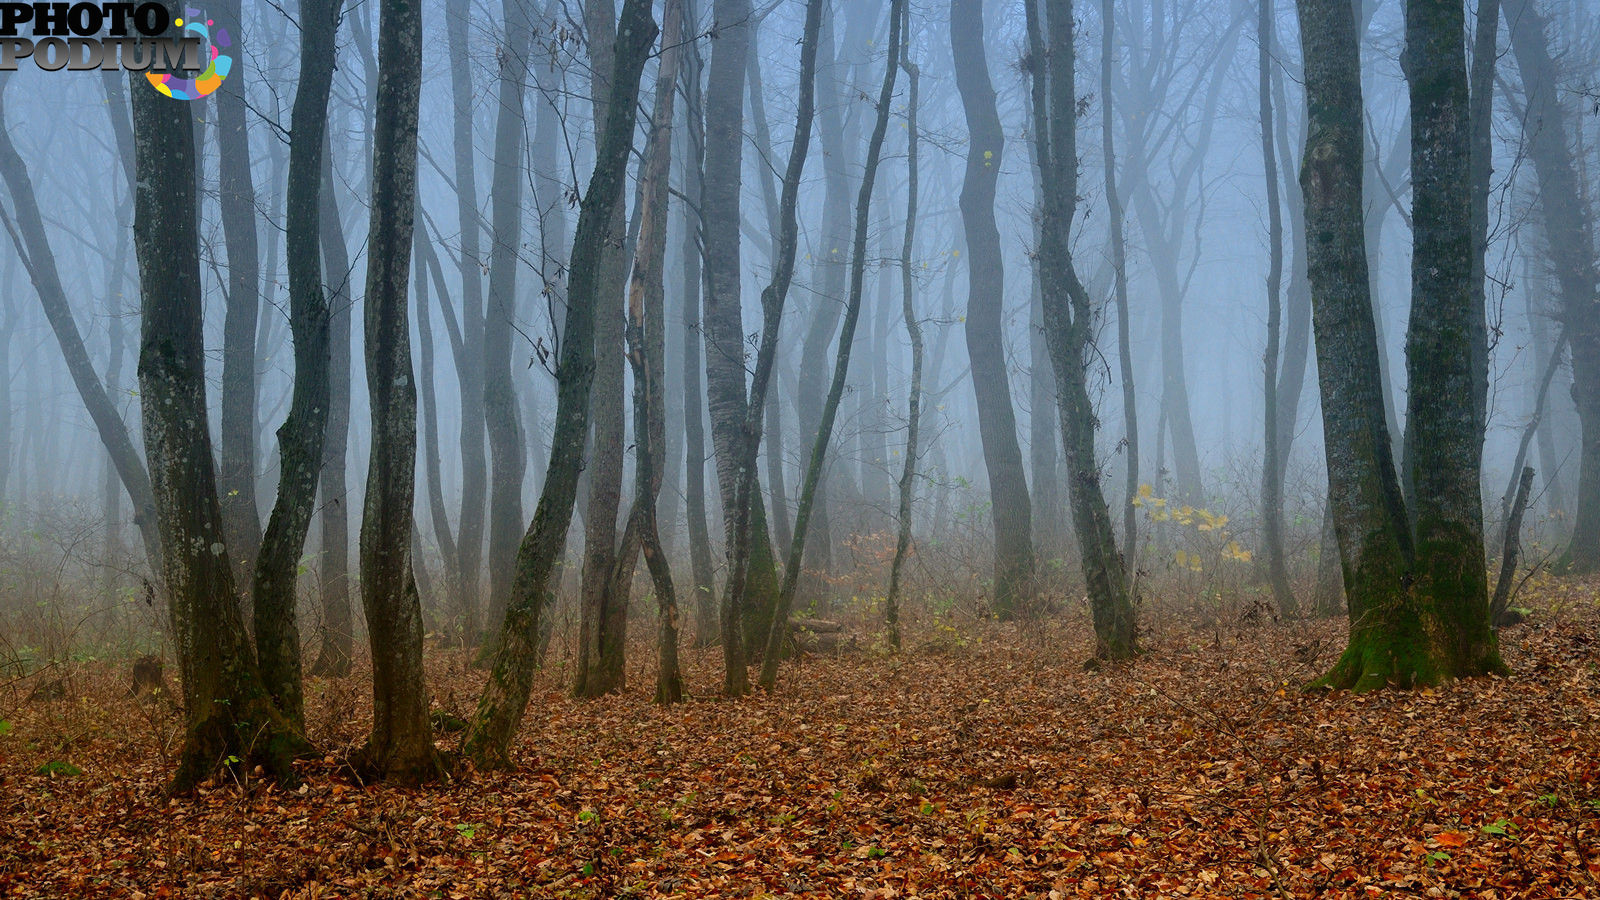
pixel 218 64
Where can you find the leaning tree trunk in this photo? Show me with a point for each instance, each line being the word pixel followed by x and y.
pixel 1569 228
pixel 997 422
pixel 505 697
pixel 400 747
pixel 300 439
pixel 852 311
pixel 229 716
pixel 1069 324
pixel 33 248
pixel 508 458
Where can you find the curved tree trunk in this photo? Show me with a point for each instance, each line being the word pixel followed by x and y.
pixel 301 438
pixel 997 422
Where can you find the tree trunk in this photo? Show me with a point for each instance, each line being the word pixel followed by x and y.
pixel 647 357
pixel 603 610
pixel 400 747
pixel 744 613
pixel 228 713
pixel 997 422
pixel 300 439
pixel 458 610
pixel 507 455
pixel 1570 231
pixel 1119 273
pixel 908 471
pixel 779 631
pixel 338 627
pixel 1271 464
pixel 1069 325
pixel 1445 352
pixel 694 435
pixel 470 367
pixel 236 471
pixel 505 697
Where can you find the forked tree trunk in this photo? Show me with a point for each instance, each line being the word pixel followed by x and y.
pixel 997 422
pixel 647 357
pixel 400 748
pixel 300 439
pixel 1069 324
pixel 505 697
pixel 228 712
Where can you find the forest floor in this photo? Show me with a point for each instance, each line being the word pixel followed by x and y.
pixel 979 764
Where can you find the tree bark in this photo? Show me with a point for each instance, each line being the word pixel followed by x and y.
pixel 603 610
pixel 228 713
pixel 1445 352
pixel 1069 325
pixel 338 627
pixel 1119 273
pixel 997 422
pixel 400 748
pixel 505 697
pixel 301 437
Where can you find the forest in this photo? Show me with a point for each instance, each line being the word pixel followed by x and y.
pixel 800 448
